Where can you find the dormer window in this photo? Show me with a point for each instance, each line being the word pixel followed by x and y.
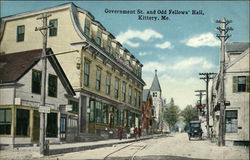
pixel 98 37
pixel 108 45
pixel 87 27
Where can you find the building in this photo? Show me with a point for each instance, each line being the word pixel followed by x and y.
pixel 148 113
pixel 237 87
pixel 20 95
pixel 157 112
pixel 105 76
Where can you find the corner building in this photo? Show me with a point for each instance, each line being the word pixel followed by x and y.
pixel 105 76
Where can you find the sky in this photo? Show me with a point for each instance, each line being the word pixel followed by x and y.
pixel 180 46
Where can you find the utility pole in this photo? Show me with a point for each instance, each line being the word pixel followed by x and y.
pixel 206 78
pixel 200 94
pixel 44 31
pixel 223 36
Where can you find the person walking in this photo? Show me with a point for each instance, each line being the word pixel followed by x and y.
pixel 135 132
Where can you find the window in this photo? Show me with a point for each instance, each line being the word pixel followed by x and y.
pixel 154 94
pixel 135 98
pixel 20 33
pixel 108 83
pixel 116 88
pixel 5 120
pixel 241 84
pixel 231 119
pixel 63 125
pixel 105 113
pixel 98 111
pixel 123 91
pixel 87 27
pixel 53 29
pixel 98 79
pixel 51 130
pixel 139 99
pixel 86 72
pixel 92 111
pixel 52 86
pixel 117 52
pixel 74 105
pixel 99 37
pixel 108 45
pixel 22 122
pixel 36 81
pixel 130 95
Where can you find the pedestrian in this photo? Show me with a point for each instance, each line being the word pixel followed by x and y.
pixel 139 132
pixel 119 133
pixel 135 132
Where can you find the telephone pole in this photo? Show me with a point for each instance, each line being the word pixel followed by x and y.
pixel 44 31
pixel 223 36
pixel 206 78
pixel 200 94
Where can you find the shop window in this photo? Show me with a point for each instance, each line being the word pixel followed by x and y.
pixel 36 81
pixel 52 86
pixel 52 128
pixel 105 113
pixel 5 120
pixel 63 125
pixel 92 111
pixel 22 122
pixel 53 29
pixel 20 33
pixel 98 112
pixel 231 119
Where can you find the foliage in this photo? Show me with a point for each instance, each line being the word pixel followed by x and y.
pixel 190 113
pixel 171 115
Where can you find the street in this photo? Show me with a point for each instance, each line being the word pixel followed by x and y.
pixel 172 147
pixel 175 147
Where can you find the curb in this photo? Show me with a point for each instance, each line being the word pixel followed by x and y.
pixel 89 147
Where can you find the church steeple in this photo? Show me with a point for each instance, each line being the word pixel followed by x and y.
pixel 155 84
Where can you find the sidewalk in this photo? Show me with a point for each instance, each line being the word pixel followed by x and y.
pixel 33 152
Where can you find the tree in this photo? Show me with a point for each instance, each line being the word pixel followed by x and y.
pixel 190 113
pixel 171 115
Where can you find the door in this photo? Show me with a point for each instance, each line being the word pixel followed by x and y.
pixel 36 127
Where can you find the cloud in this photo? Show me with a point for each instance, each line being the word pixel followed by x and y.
pixel 146 35
pixel 151 66
pixel 205 39
pixel 192 62
pixel 145 53
pixel 165 45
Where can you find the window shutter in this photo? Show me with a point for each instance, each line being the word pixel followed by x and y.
pixel 235 82
pixel 248 83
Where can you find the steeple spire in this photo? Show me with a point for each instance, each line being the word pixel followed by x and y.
pixel 155 84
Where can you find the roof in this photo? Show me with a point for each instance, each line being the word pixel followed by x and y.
pixel 237 46
pixel 155 84
pixel 13 66
pixel 145 95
